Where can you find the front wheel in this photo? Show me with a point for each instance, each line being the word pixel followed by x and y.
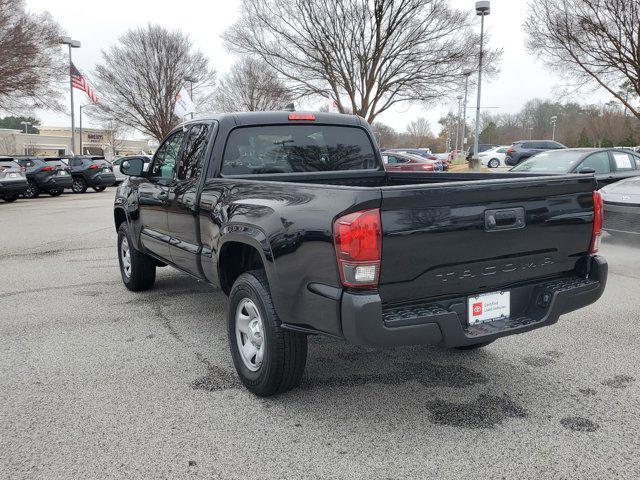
pixel 99 189
pixel 268 358
pixel 79 185
pixel 494 163
pixel 137 269
pixel 10 198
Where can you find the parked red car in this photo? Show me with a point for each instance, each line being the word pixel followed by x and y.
pixel 403 162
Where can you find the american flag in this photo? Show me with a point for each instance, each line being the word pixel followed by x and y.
pixel 81 83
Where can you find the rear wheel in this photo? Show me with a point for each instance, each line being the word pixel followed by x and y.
pixel 494 163
pixel 79 185
pixel 268 358
pixel 10 198
pixel 32 190
pixel 99 189
pixel 138 270
pixel 56 192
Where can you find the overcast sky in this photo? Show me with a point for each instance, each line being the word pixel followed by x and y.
pixel 99 23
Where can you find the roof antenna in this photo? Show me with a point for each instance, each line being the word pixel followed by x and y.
pixel 290 107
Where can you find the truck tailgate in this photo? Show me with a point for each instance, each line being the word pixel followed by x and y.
pixel 462 238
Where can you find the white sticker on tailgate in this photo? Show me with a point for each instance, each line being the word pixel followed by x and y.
pixel 488 306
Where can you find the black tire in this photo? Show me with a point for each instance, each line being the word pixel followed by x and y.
pixel 32 190
pixel 475 346
pixel 285 354
pixel 79 185
pixel 494 163
pixel 99 189
pixel 142 273
pixel 56 192
pixel 10 198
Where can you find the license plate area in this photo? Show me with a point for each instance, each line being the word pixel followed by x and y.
pixel 488 307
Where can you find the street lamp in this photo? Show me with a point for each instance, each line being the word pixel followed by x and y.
pixel 553 121
pixel 464 108
pixel 191 81
pixel 71 44
pixel 459 97
pixel 482 9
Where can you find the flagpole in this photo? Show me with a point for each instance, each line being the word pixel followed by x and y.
pixel 71 44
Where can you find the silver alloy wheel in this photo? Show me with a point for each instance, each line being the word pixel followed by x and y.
pixel 494 163
pixel 250 334
pixel 77 186
pixel 125 255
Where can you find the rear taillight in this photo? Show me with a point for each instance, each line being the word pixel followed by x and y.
pixel 302 116
pixel 94 167
pixel 598 221
pixel 48 168
pixel 509 150
pixel 358 241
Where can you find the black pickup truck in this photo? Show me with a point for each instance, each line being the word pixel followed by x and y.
pixel 293 216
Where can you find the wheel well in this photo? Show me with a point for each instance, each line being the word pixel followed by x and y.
pixel 235 259
pixel 119 217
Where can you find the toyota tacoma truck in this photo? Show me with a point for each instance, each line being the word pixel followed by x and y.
pixel 294 218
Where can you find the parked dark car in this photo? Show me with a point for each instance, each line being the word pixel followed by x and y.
pixel 400 162
pixel 622 206
pixel 45 174
pixel 87 171
pixel 421 152
pixel 482 147
pixel 293 216
pixel 13 181
pixel 524 149
pixel 608 165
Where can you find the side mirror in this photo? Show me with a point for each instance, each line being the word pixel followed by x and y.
pixel 587 170
pixel 133 167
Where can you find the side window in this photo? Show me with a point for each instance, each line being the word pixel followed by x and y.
pixel 623 162
pixel 391 160
pixel 501 150
pixel 164 162
pixel 598 161
pixel 195 147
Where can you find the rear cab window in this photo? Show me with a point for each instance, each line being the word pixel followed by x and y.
pixel 297 148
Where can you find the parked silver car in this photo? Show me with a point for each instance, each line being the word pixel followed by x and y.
pixel 13 181
pixel 622 206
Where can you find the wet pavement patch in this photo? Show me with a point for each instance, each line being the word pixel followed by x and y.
pixel 538 361
pixel 587 391
pixel 428 374
pixel 579 424
pixel 216 379
pixel 485 412
pixel 619 381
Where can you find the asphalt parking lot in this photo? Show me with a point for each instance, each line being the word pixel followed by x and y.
pixel 100 382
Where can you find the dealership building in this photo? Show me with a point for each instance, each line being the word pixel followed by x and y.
pixel 56 141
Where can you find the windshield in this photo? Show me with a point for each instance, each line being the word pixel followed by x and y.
pixel 560 161
pixel 297 148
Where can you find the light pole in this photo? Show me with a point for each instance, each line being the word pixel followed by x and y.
pixel 482 9
pixel 72 44
pixel 530 133
pixel 26 125
pixel 553 121
pixel 464 108
pixel 191 81
pixel 459 97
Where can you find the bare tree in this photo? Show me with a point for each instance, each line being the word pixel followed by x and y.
pixel 419 132
pixel 140 77
pixel 366 55
pixel 251 85
pixel 593 41
pixel 30 59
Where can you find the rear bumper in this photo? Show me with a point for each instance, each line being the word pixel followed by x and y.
pixel 535 305
pixel 57 182
pixel 102 180
pixel 13 187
